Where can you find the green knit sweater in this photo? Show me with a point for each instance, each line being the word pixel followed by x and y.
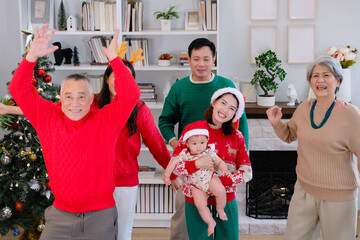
pixel 186 103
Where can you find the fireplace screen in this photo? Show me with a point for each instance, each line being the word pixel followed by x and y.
pixel 268 194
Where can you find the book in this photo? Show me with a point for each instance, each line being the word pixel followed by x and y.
pixel 102 16
pixel 201 12
pixel 214 16
pixel 208 15
pixel 97 15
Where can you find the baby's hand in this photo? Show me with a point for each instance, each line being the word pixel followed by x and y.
pixel 227 173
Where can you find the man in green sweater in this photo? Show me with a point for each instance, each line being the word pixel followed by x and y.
pixel 186 102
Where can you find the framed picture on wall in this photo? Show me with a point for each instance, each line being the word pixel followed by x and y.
pixel 41 12
pixel 263 9
pixel 301 9
pixel 301 43
pixel 262 39
pixel 192 21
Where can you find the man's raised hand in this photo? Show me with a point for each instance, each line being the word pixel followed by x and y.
pixel 39 46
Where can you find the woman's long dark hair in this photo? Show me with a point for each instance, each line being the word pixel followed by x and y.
pixel 228 127
pixel 104 97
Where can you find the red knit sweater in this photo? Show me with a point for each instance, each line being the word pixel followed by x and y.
pixel 79 155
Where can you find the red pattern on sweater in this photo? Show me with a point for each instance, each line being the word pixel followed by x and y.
pixel 79 155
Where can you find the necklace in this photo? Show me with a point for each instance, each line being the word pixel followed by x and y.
pixel 327 115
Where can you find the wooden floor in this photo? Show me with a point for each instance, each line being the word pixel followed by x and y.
pixel 164 234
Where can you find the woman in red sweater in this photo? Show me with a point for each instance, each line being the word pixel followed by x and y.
pixel 227 106
pixel 140 126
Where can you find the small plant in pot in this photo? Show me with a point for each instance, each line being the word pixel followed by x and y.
pixel 166 17
pixel 164 59
pixel 267 78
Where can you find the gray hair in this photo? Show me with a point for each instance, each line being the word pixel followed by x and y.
pixel 332 63
pixel 77 77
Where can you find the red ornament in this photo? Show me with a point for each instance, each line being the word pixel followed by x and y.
pixel 18 206
pixel 47 78
pixel 14 126
pixel 33 81
pixel 41 72
pixel 48 186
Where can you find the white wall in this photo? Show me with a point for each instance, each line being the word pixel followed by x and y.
pixel 336 23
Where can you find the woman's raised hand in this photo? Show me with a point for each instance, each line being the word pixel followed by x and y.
pixel 39 46
pixel 110 51
pixel 274 115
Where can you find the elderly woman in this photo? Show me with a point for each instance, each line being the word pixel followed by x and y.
pixel 328 133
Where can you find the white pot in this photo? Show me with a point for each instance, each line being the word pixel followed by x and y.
pixel 165 24
pixel 164 63
pixel 266 101
pixel 345 87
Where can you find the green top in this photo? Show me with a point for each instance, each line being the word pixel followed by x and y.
pixel 187 102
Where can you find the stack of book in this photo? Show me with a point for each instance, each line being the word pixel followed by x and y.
pixel 135 44
pixel 147 91
pixel 95 44
pixel 98 16
pixel 133 17
pixel 183 58
pixel 208 15
pixel 155 198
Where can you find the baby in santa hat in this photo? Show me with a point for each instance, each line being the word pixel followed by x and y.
pixel 205 181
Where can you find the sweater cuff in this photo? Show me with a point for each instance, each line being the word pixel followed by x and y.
pixel 226 181
pixel 190 167
pixel 173 176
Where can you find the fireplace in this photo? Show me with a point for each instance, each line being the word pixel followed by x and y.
pixel 268 194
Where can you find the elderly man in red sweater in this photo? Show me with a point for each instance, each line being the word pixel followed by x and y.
pixel 78 144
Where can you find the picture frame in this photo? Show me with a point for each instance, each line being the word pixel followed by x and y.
pixel 192 20
pixel 260 44
pixel 301 9
pixel 301 43
pixel 248 90
pixel 263 9
pixel 41 12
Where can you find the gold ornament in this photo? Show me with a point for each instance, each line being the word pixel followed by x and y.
pixel 57 97
pixel 22 153
pixel 29 33
pixel 40 90
pixel 33 157
pixel 21 138
pixel 41 227
pixel 28 165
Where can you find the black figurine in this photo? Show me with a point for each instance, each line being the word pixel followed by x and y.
pixel 60 54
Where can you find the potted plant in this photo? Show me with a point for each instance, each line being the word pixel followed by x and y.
pixel 266 78
pixel 164 59
pixel 166 17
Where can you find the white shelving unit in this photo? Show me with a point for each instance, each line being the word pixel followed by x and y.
pixel 159 42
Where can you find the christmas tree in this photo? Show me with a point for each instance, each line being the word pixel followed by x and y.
pixel 76 60
pixel 25 191
pixel 61 17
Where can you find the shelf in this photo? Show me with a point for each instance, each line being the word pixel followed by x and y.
pixel 82 67
pixel 155 105
pixel 253 110
pixel 156 180
pixel 82 33
pixel 168 33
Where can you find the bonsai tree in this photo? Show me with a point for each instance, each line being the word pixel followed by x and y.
pixel 266 78
pixel 61 17
pixel 167 15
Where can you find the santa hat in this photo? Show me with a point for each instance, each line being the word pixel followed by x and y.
pixel 196 128
pixel 237 94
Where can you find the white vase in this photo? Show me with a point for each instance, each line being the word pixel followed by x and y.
pixel 266 101
pixel 164 63
pixel 345 87
pixel 165 24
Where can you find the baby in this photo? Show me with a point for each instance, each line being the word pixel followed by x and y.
pixel 204 181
